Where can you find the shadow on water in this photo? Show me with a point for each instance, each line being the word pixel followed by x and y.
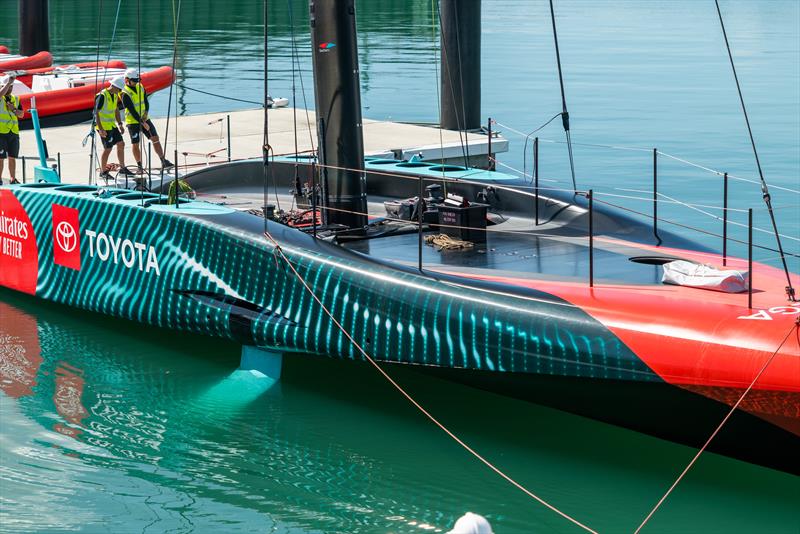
pixel 130 427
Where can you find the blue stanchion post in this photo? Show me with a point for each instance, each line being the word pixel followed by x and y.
pixel 42 173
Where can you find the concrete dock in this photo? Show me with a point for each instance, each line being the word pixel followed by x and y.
pixel 203 139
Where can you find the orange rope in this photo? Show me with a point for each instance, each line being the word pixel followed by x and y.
pixel 716 431
pixel 414 402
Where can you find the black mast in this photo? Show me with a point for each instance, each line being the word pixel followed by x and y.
pixel 338 100
pixel 461 64
pixel 34 33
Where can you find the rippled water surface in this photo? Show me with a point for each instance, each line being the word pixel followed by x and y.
pixel 107 426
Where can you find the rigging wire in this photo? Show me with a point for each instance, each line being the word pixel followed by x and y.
pixel 296 180
pixel 176 18
pixel 224 97
pixel 527 139
pixel 461 85
pixel 450 85
pixel 564 113
pixel 296 55
pixel 437 84
pixel 794 327
pixel 93 150
pixel 265 139
pixel 764 189
pixel 399 388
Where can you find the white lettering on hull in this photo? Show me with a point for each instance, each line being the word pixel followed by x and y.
pixel 132 254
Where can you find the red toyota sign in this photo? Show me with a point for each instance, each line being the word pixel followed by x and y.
pixel 66 237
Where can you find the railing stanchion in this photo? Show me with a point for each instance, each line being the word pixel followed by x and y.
pixel 655 194
pixel 150 166
pixel 536 180
pixel 59 165
pixel 175 180
pixel 313 194
pixel 490 162
pixel 419 222
pixel 228 128
pixel 591 238
pixel 750 258
pixel 24 177
pixel 725 220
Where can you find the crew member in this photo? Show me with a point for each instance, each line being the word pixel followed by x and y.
pixel 106 118
pixel 10 113
pixel 137 106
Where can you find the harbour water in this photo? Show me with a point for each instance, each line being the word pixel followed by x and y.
pixel 107 426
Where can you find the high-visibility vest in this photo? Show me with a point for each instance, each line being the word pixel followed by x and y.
pixel 9 121
pixel 136 95
pixel 107 114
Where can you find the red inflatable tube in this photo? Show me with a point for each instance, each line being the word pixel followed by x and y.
pixel 26 77
pixel 82 98
pixel 36 61
pixel 4 50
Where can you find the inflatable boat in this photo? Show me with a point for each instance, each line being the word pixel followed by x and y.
pixel 15 62
pixel 4 49
pixel 67 96
pixel 26 76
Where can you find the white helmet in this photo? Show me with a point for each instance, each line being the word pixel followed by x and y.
pixel 471 523
pixel 132 73
pixel 118 82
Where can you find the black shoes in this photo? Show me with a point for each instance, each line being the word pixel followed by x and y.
pixel 125 171
pixel 105 175
pixel 166 164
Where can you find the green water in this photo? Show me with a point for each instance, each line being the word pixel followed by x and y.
pixel 126 429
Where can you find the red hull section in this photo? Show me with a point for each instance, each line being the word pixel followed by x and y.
pixel 27 77
pixel 82 98
pixel 704 341
pixel 3 49
pixel 36 61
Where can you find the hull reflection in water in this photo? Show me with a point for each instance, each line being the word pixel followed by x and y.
pixel 116 430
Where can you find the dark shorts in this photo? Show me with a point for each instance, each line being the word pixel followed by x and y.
pixel 9 145
pixel 112 138
pixel 136 129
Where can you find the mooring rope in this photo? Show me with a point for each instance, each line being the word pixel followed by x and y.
pixel 794 327
pixel 411 399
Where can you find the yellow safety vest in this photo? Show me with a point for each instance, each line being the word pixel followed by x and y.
pixel 9 121
pixel 137 98
pixel 107 114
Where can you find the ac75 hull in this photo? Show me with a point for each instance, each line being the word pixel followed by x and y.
pixel 208 270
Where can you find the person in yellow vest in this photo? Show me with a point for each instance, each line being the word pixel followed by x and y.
pixel 10 113
pixel 106 118
pixel 137 107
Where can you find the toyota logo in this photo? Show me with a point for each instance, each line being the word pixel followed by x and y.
pixel 66 236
